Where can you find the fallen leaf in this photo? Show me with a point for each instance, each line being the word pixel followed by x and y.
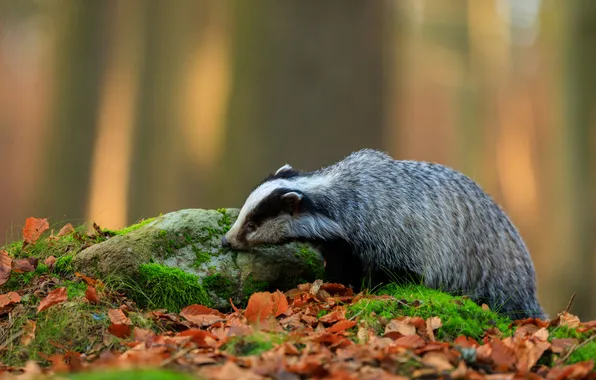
pixel 142 335
pixel 574 371
pixel 201 338
pixel 67 229
pixel 201 315
pixel 50 261
pixel 338 314
pixel 432 323
pixel 5 267
pixel 466 342
pixel 33 229
pixel 503 356
pixel 28 332
pixel 560 345
pixel 569 320
pixel 88 280
pixel 91 295
pixel 341 326
pixel 55 297
pixel 402 325
pixel 22 266
pixel 262 305
pixel 9 298
pixel 410 341
pixel 437 360
pixel 120 330
pixel 118 317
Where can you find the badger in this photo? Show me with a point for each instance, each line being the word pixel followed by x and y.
pixel 375 220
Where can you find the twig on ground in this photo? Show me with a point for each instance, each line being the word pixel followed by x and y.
pixel 569 304
pixel 575 348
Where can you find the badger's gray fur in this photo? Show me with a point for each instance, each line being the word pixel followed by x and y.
pixel 373 216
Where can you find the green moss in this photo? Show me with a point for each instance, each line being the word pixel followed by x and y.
pixel 254 344
pixel 64 265
pixel 226 221
pixel 145 374
pixel 251 286
pixel 219 285
pixel 170 288
pixel 312 259
pixel 134 227
pixel 459 316
pixel 587 352
pixel 75 289
pixel 202 257
pixel 76 326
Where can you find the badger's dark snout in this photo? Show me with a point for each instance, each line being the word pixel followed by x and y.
pixel 225 243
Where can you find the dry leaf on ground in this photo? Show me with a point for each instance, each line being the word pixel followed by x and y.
pixel 33 229
pixel 55 297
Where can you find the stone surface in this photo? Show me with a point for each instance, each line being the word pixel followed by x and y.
pixel 191 241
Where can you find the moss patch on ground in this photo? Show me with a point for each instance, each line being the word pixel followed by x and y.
pixel 145 374
pixel 160 286
pixel 586 352
pixel 134 227
pixel 253 344
pixel 459 316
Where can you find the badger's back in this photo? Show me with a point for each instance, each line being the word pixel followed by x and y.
pixel 433 221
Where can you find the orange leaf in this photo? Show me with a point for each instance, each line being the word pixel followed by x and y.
pixel 88 280
pixel 201 315
pixel 201 338
pixel 29 332
pixel 55 297
pixel 338 314
pixel 22 266
pixel 33 229
pixel 341 326
pixel 67 229
pixel 142 335
pixel 5 267
pixel 50 261
pixel 503 356
pixel 9 298
pixel 263 305
pixel 117 317
pixel 119 330
pixel 410 341
pixel 91 295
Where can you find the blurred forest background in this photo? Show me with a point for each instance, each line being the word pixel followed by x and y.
pixel 116 110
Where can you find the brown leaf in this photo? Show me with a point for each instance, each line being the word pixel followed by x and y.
pixel 466 342
pixel 338 314
pixel 569 320
pixel 29 332
pixel 55 297
pixel 263 305
pixel 91 295
pixel 201 315
pixel 22 266
pixel 143 335
pixel 67 229
pixel 33 229
pixel 201 338
pixel 402 325
pixel 410 341
pixel 50 261
pixel 5 267
pixel 118 317
pixel 432 323
pixel 119 330
pixel 573 371
pixel 437 360
pixel 341 326
pixel 503 356
pixel 9 298
pixel 88 280
pixel 558 346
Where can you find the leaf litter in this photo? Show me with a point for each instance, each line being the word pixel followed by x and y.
pixel 305 332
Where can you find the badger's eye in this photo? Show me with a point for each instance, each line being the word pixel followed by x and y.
pixel 250 227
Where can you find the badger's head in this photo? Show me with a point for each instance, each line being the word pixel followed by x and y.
pixel 279 210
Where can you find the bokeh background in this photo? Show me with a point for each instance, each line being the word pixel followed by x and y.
pixel 115 110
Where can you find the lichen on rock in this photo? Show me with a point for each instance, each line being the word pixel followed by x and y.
pixel 177 253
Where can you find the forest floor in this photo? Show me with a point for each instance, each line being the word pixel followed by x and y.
pixel 56 323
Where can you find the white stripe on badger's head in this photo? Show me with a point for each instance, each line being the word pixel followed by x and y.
pixel 271 214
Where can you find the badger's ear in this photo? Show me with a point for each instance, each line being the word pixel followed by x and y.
pixel 286 171
pixel 291 201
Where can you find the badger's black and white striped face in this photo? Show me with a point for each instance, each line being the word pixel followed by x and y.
pixel 279 210
pixel 267 213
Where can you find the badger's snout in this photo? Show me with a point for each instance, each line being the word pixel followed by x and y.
pixel 225 243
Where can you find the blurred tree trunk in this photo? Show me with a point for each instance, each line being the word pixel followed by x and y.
pixel 301 72
pixel 79 65
pixel 159 156
pixel 579 85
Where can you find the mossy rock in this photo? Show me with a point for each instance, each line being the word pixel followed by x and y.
pixel 177 258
